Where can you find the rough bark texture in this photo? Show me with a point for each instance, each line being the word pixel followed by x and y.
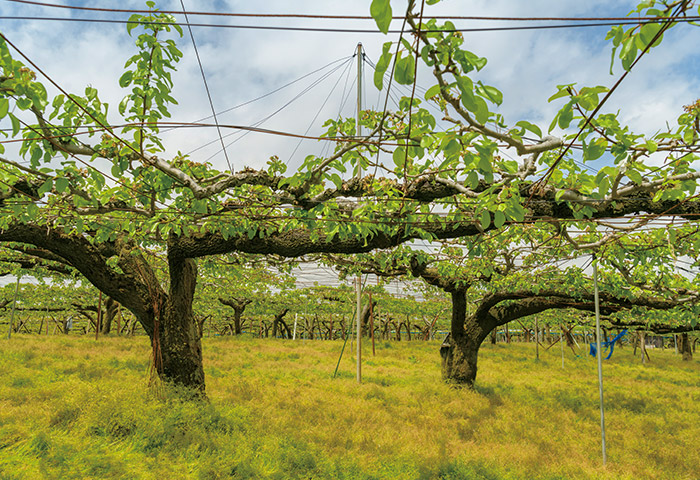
pixel 178 336
pixel 684 347
pixel 460 355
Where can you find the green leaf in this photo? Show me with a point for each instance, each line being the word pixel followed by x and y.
pixel 484 163
pixel 405 70
pixel 61 184
pixel 125 79
pixel 432 91
pixel 382 65
pixel 472 180
pixel 492 93
pixel 24 103
pixel 133 22
pixel 566 115
pixel 635 176
pixel 595 149
pixel 46 187
pixel 32 210
pixel 4 107
pixel 452 148
pixel 531 127
pixel 399 156
pixel 36 155
pixel 485 219
pixel 651 146
pixel 628 53
pixel 498 219
pixel 381 12
pixel 563 92
pixel 200 206
pixel 647 34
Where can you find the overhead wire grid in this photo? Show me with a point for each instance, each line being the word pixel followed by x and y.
pixel 261 129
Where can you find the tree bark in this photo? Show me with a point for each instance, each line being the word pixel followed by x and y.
pixel 685 347
pixel 176 341
pixel 460 355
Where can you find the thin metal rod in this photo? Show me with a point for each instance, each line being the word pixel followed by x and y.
pixel 14 303
pixel 599 357
pixel 359 328
pixel 537 339
pixel 358 130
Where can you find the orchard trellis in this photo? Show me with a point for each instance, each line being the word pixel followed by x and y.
pixel 436 185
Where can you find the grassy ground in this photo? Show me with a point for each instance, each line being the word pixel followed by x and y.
pixel 71 407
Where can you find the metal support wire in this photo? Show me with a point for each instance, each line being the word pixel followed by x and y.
pixel 206 86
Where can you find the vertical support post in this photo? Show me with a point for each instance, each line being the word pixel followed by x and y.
pixel 99 316
pixel 371 321
pixel 561 342
pixel 358 131
pixel 294 335
pixel 599 356
pixel 537 339
pixel 359 329
pixel 14 303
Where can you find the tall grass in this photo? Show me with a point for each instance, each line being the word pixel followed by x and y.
pixel 71 407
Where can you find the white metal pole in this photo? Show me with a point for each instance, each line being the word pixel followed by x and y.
pixel 599 356
pixel 359 329
pixel 296 318
pixel 358 131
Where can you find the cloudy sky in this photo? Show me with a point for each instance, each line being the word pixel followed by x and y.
pixel 243 64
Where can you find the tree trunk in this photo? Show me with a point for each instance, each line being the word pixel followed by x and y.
pixel 460 353
pixel 238 305
pixel 111 310
pixel 277 321
pixel 685 348
pixel 176 342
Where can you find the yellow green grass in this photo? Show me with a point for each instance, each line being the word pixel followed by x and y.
pixel 71 407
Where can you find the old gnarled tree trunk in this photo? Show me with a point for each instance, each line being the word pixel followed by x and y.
pixel 178 340
pixel 461 351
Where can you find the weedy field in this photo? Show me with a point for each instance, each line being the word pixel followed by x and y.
pixel 73 407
